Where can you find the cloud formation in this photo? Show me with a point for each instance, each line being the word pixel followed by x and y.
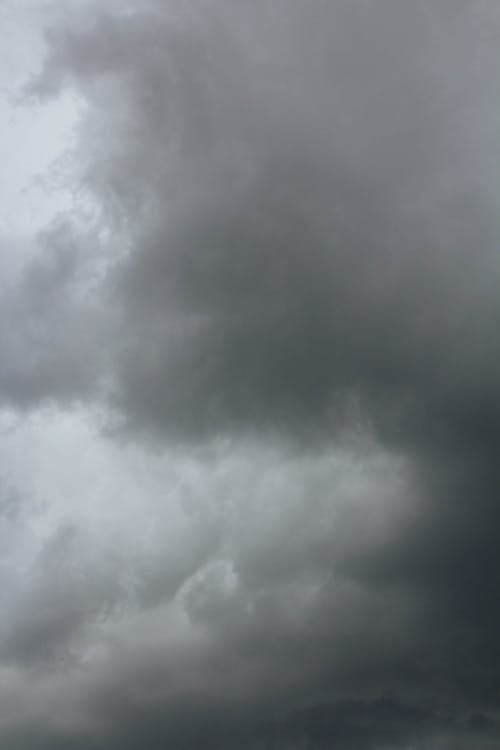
pixel 278 295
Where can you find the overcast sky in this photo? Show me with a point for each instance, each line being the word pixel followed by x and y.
pixel 250 375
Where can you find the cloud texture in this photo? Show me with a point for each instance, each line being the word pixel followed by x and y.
pixel 251 384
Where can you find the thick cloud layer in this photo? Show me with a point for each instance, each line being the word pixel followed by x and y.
pixel 253 490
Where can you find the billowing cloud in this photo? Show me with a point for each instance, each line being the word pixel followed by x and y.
pixel 252 383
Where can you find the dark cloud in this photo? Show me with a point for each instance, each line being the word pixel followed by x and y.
pixel 293 254
pixel 241 161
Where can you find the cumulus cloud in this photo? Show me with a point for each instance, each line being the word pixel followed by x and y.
pixel 276 301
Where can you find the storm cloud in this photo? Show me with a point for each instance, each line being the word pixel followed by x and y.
pixel 250 382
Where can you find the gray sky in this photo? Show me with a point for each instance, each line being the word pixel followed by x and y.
pixel 249 375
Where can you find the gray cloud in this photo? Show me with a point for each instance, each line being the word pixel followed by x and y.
pixel 291 278
pixel 49 341
pixel 241 166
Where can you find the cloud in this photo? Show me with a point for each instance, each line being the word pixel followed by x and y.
pixel 280 298
pixel 239 166
pixel 50 341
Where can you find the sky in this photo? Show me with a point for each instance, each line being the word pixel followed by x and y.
pixel 249 375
